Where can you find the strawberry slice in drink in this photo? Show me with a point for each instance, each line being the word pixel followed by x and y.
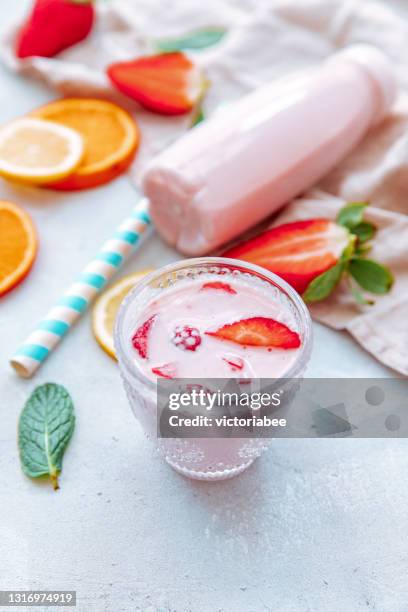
pixel 168 370
pixel 297 252
pixel 219 286
pixel 140 337
pixel 258 331
pixel 168 83
pixel 235 363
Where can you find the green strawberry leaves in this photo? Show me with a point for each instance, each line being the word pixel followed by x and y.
pixel 321 287
pixel 200 39
pixel 364 231
pixel 46 426
pixel 371 276
pixel 351 215
pixel 353 265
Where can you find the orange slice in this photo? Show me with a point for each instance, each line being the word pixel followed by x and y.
pixel 18 245
pixel 110 134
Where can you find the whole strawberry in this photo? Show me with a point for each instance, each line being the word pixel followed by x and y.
pixel 55 25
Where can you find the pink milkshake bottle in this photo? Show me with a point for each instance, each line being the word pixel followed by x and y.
pixel 257 154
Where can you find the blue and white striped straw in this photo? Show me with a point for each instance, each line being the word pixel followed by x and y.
pixel 42 341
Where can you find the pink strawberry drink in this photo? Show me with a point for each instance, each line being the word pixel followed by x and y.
pixel 208 318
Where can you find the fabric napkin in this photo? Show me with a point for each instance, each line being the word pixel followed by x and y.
pixel 266 40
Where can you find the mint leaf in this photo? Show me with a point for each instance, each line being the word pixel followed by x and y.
pixel 352 214
pixel 46 425
pixel 196 40
pixel 322 286
pixel 371 275
pixel 364 231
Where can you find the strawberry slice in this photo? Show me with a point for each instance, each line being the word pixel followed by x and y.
pixel 168 370
pixel 258 331
pixel 219 286
pixel 297 252
pixel 168 84
pixel 140 337
pixel 235 363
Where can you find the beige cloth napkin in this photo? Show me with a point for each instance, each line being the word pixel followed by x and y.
pixel 266 40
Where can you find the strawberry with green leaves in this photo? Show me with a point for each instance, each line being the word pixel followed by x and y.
pixel 55 25
pixel 316 254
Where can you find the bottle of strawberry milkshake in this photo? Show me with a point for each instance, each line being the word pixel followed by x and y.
pixel 208 318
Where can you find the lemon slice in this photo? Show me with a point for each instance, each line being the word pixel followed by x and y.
pixel 106 307
pixel 37 151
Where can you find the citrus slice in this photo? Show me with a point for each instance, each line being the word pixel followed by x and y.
pixel 106 307
pixel 110 134
pixel 18 245
pixel 36 151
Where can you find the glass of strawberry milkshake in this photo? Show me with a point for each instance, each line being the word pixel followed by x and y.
pixel 208 318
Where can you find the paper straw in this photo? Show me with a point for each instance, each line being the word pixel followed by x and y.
pixel 77 298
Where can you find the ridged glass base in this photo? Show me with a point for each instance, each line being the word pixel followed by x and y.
pixel 210 476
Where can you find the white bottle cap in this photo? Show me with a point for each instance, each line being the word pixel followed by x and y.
pixel 378 67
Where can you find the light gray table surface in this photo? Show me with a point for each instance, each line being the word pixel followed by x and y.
pixel 314 525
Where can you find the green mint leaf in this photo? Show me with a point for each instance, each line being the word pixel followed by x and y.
pixel 371 275
pixel 364 231
pixel 352 214
pixel 46 425
pixel 196 40
pixel 322 286
pixel 198 117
